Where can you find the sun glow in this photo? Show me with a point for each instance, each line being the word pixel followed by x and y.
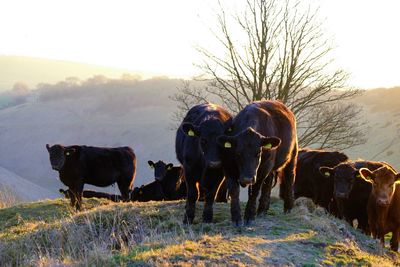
pixel 161 36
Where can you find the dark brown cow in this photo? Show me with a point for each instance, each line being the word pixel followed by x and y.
pixel 384 203
pixel 309 180
pixel 262 141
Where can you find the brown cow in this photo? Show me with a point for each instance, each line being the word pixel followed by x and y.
pixel 384 203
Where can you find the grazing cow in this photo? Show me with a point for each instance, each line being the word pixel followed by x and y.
pixel 350 191
pixel 309 180
pixel 92 194
pixel 262 142
pixel 384 203
pixel 79 165
pixel 171 179
pixel 199 154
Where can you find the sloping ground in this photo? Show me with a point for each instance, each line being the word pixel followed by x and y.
pixel 151 234
pixel 22 189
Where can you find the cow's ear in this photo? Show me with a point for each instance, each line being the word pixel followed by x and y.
pixel 226 142
pixel 228 125
pixel 397 178
pixel 270 142
pixel 366 174
pixel 169 166
pixel 190 129
pixel 69 151
pixel 326 171
pixel 48 147
pixel 151 164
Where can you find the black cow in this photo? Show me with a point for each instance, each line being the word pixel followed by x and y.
pixel 150 192
pixel 79 165
pixel 309 180
pixel 92 194
pixel 171 178
pixel 199 154
pixel 350 191
pixel 262 142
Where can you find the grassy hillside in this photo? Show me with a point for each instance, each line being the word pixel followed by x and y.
pixel 151 234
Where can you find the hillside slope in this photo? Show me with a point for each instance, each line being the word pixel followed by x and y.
pixel 20 186
pixel 151 234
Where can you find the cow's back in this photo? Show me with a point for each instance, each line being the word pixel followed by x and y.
pixel 271 118
pixel 102 166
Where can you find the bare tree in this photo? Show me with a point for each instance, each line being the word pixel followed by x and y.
pixel 279 51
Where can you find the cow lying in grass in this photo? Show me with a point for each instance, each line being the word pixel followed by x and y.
pixel 384 203
pixel 79 165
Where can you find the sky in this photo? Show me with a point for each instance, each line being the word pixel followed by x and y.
pixel 160 36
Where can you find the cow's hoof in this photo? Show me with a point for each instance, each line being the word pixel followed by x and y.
pixel 207 220
pixel 237 223
pixel 249 222
pixel 187 220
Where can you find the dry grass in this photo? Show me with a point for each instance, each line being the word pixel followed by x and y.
pixel 8 197
pixel 151 234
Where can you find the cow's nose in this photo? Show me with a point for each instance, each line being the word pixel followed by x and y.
pixel 214 164
pixel 383 202
pixel 341 195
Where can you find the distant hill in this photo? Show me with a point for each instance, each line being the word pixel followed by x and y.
pixel 32 71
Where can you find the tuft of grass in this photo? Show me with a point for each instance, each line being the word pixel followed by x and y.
pixel 151 234
pixel 8 197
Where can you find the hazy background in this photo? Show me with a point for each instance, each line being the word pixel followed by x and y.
pixel 103 111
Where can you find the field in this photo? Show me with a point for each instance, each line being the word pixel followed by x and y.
pixel 151 234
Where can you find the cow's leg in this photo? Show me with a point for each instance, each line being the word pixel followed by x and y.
pixel 286 187
pixel 79 193
pixel 222 193
pixel 124 187
pixel 192 195
pixel 250 212
pixel 211 182
pixel 72 195
pixel 234 192
pixel 394 242
pixel 265 198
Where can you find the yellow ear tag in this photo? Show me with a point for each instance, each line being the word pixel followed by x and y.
pixel 190 133
pixel 358 175
pixel 227 145
pixel 327 174
pixel 67 153
pixel 169 168
pixel 268 146
pixel 140 192
pixel 152 166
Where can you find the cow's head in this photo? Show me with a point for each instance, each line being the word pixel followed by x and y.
pixel 160 169
pixel 344 176
pixel 246 149
pixel 59 155
pixel 383 182
pixel 207 133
